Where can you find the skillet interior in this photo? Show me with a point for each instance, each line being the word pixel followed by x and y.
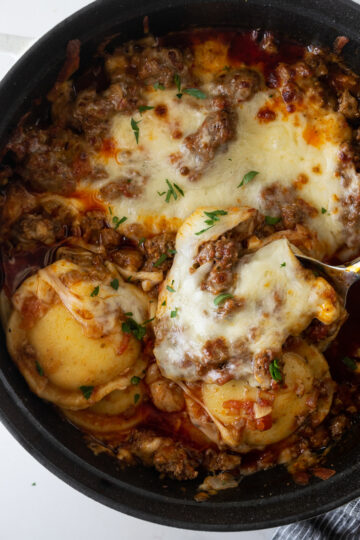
pixel 269 498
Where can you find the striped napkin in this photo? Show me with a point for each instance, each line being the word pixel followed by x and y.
pixel 340 524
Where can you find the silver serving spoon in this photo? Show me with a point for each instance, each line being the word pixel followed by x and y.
pixel 341 277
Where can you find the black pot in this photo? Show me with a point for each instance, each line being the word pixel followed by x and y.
pixel 265 499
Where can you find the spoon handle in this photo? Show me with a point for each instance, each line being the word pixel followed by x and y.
pixel 354 266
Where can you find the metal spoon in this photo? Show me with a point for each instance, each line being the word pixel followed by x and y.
pixel 341 277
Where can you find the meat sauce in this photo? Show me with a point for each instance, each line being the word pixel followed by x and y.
pixel 263 52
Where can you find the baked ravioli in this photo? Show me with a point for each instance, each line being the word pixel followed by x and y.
pixel 153 208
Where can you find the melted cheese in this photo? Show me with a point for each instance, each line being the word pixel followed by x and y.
pixel 228 405
pixel 279 299
pixel 74 338
pixel 298 151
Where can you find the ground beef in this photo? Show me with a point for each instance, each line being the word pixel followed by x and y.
pixel 220 461
pixel 237 85
pixel 92 112
pixel 157 246
pixel 36 228
pixel 94 230
pixel 156 64
pixel 165 455
pixel 278 201
pixel 338 425
pixel 348 105
pixel 128 258
pixel 130 186
pixel 52 160
pixel 217 129
pixel 215 351
pixel 223 253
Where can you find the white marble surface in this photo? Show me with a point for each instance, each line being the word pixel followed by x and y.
pixel 51 509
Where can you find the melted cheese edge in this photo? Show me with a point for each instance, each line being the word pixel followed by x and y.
pixel 280 299
pixel 305 142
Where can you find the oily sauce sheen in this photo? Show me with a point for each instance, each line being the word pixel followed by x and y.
pixel 138 197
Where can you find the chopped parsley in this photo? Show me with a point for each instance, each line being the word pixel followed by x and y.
pixel 171 192
pixel 170 289
pixel 33 484
pixel 136 398
pixel 87 391
pixel 130 326
pixel 221 298
pixel 128 314
pixel 117 221
pixel 128 279
pixel 174 313
pixel 195 92
pixel 282 264
pixel 160 260
pixel 115 284
pixel 159 86
pixel 350 363
pixel 110 211
pixel 39 369
pixel 323 210
pixel 95 292
pixel 275 370
pixel 164 303
pixel 141 241
pixel 226 68
pixel 212 218
pixel 172 252
pixel 135 380
pixel 269 220
pixel 144 108
pixel 247 178
pixel 135 128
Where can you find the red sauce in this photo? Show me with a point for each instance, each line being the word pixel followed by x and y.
pixel 17 267
pixel 89 201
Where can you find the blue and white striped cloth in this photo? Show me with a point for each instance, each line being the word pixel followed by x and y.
pixel 340 524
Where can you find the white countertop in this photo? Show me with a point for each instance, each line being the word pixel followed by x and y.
pixel 50 509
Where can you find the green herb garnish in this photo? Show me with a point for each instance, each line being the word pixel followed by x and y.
pixel 170 289
pixel 130 326
pixel 136 398
pixel 275 370
pixel 33 484
pixel 269 220
pixel 95 292
pixel 115 284
pixel 282 264
pixel 221 298
pixel 141 241
pixel 159 86
pixel 247 178
pixel 226 68
pixel 171 192
pixel 87 391
pixel 39 369
pixel 117 221
pixel 174 313
pixel 164 303
pixel 160 260
pixel 172 252
pixel 144 108
pixel 135 128
pixel 110 211
pixel 350 363
pixel 212 218
pixel 135 380
pixel 323 210
pixel 195 92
